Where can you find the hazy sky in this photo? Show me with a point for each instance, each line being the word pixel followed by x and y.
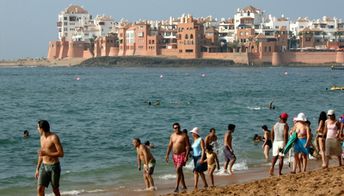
pixel 28 25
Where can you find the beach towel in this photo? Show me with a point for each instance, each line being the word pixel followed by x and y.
pixel 290 143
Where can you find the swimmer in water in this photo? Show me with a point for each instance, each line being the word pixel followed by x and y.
pixel 149 145
pixel 271 106
pixel 26 134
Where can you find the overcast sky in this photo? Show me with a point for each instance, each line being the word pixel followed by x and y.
pixel 28 25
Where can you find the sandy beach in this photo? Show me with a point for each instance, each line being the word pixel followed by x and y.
pixel 254 181
pixel 316 182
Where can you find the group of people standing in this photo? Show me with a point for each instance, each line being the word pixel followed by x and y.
pixel 327 141
pixel 282 137
pixel 205 157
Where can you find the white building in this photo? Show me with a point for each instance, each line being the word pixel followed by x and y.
pixel 105 25
pixel 300 24
pixel 249 16
pixel 276 23
pixel 71 19
pixel 75 23
pixel 226 30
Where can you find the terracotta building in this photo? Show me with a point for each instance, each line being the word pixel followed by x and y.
pixel 190 37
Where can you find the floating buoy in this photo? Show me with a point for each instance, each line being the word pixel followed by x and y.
pixel 286 73
pixel 161 76
pixel 77 78
pixel 203 75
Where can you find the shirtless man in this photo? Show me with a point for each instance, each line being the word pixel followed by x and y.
pixel 144 155
pixel 48 157
pixel 230 157
pixel 180 147
pixel 211 139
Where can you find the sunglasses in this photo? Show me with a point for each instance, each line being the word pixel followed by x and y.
pixel 175 127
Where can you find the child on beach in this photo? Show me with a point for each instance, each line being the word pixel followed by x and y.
pixel 212 162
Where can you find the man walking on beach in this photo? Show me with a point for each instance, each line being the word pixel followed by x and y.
pixel 279 137
pixel 228 151
pixel 48 157
pixel 144 155
pixel 180 146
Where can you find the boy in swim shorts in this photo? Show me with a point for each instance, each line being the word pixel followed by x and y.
pixel 228 150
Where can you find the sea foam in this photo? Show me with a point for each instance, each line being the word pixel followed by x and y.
pixel 254 108
pixel 168 176
pixel 76 192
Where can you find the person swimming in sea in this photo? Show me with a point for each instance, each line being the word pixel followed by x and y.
pixel 257 138
pixel 149 145
pixel 156 103
pixel 26 134
pixel 271 106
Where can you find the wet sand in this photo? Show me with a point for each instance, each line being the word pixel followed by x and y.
pixel 254 181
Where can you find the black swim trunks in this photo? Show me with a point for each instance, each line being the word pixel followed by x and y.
pixel 50 174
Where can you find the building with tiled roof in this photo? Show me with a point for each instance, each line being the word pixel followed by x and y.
pixel 75 9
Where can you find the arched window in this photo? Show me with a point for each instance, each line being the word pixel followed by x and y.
pixel 186 36
pixel 191 36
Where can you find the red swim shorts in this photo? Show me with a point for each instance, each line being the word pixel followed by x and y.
pixel 179 159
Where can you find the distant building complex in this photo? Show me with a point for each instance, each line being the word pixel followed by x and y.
pixel 250 37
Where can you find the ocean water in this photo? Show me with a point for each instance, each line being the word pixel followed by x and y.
pixel 97 111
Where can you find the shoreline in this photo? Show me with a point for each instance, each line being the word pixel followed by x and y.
pixel 257 179
pixel 40 63
pixel 141 61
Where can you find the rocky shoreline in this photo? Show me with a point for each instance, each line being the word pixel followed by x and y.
pixel 136 61
pixel 141 61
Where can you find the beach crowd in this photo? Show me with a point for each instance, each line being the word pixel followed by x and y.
pixel 296 139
